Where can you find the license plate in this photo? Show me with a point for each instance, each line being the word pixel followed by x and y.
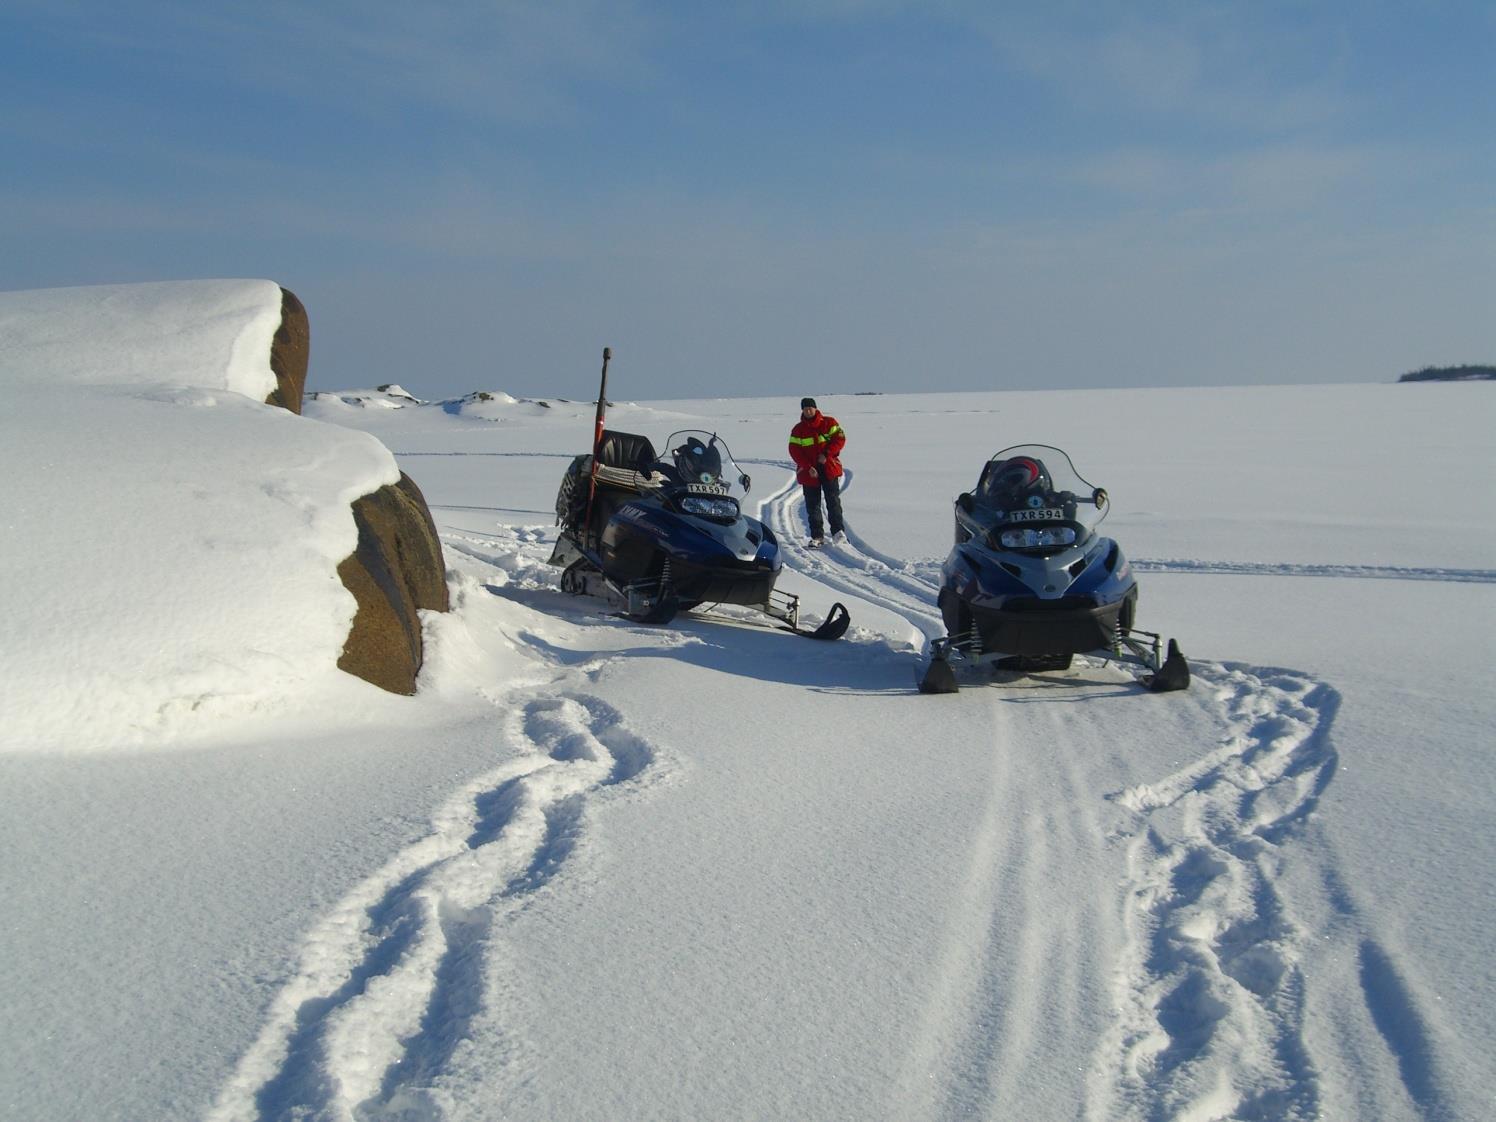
pixel 1044 514
pixel 707 488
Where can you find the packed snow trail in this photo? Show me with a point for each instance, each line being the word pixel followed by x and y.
pixel 1211 990
pixel 390 981
pixel 1022 959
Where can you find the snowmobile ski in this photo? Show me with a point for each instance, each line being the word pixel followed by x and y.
pixel 834 626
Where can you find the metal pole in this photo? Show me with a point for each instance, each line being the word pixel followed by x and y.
pixel 597 437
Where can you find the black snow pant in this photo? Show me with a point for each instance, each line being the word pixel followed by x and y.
pixel 831 488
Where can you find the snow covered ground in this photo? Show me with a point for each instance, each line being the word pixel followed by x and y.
pixel 600 870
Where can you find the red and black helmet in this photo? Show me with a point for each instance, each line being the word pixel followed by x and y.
pixel 1006 480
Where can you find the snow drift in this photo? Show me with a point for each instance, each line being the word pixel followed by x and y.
pixel 586 845
pixel 173 540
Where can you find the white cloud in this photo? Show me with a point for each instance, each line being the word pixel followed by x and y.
pixel 1209 64
pixel 1262 178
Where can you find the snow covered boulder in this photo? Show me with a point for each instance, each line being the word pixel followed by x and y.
pixel 397 567
pixel 173 546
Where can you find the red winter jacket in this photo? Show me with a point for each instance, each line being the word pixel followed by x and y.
pixel 808 440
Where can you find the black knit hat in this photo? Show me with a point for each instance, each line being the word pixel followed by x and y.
pixel 807 403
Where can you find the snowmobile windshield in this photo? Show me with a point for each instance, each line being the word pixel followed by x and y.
pixel 701 461
pixel 1038 483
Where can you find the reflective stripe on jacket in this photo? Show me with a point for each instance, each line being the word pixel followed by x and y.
pixel 808 439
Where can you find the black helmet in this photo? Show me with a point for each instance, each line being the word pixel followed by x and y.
pixel 698 462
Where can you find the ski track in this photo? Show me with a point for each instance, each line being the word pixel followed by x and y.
pixel 1019 965
pixel 997 989
pixel 855 569
pixel 391 980
pixel 1207 983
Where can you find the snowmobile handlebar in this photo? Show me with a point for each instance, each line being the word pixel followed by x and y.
pixel 1097 498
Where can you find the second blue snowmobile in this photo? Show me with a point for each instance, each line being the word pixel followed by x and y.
pixel 1031 582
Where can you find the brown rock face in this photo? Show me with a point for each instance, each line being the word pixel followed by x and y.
pixel 396 569
pixel 290 352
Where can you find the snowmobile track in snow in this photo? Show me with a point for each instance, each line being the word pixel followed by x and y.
pixel 855 569
pixel 1275 569
pixel 390 981
pixel 1210 991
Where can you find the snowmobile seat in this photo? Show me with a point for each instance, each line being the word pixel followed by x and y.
pixel 626 450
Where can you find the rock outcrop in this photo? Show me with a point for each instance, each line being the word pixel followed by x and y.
pixel 397 567
pixel 290 353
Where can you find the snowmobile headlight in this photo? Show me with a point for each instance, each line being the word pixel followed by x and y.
pixel 1029 538
pixel 708 507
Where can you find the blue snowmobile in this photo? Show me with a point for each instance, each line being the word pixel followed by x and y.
pixel 661 534
pixel 1030 582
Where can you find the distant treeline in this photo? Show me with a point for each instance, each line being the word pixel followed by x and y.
pixel 1450 374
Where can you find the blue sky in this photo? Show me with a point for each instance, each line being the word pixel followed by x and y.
pixel 774 197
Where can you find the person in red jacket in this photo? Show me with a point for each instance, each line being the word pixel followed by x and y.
pixel 815 446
